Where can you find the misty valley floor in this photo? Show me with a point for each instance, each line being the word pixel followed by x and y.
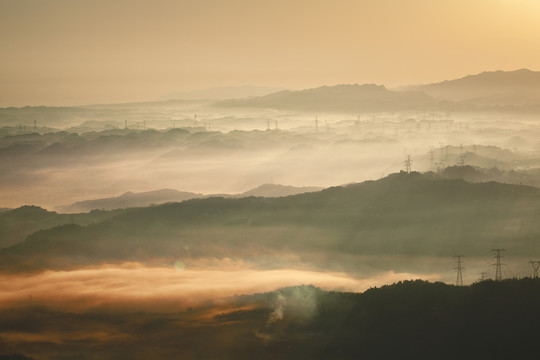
pixel 412 319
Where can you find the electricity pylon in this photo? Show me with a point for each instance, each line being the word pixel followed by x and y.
pixel 459 268
pixel 535 264
pixel 498 264
pixel 408 163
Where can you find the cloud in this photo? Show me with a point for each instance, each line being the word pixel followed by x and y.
pixel 136 286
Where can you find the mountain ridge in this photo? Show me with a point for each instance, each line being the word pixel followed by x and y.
pixel 400 215
pixel 345 97
pixel 487 88
pixel 155 197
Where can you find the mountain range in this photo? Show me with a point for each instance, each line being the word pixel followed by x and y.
pixel 411 215
pixel 474 92
pixel 491 90
pixel 488 88
pixel 147 198
pixel 351 98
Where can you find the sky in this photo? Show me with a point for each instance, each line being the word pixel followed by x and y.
pixel 74 52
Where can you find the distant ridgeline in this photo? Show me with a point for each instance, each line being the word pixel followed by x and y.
pixel 409 215
pixel 148 198
pixel 490 90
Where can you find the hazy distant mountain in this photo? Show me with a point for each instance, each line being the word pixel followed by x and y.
pixel 220 93
pixel 355 98
pixel 130 199
pixel 488 88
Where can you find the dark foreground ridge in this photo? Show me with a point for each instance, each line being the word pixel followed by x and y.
pixel 14 357
pixel 406 320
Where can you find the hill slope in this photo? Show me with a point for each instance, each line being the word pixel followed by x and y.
pixel 17 224
pixel 400 215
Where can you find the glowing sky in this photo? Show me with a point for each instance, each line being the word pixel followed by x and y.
pixel 86 51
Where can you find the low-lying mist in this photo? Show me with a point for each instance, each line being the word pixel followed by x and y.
pixel 229 151
pixel 137 287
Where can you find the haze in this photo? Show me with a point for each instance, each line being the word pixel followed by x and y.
pixel 62 52
pixel 266 179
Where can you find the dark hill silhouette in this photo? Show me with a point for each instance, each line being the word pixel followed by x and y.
pixel 355 98
pixel 406 320
pixel 14 357
pixel 402 214
pixel 417 319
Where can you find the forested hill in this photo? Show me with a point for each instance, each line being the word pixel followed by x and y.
pixel 402 214
pixel 407 320
pixel 418 320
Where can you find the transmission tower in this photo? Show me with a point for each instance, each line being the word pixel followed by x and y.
pixel 461 160
pixel 535 264
pixel 408 162
pixel 459 268
pixel 498 264
pixel 483 277
pixel 438 165
pixel 35 126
